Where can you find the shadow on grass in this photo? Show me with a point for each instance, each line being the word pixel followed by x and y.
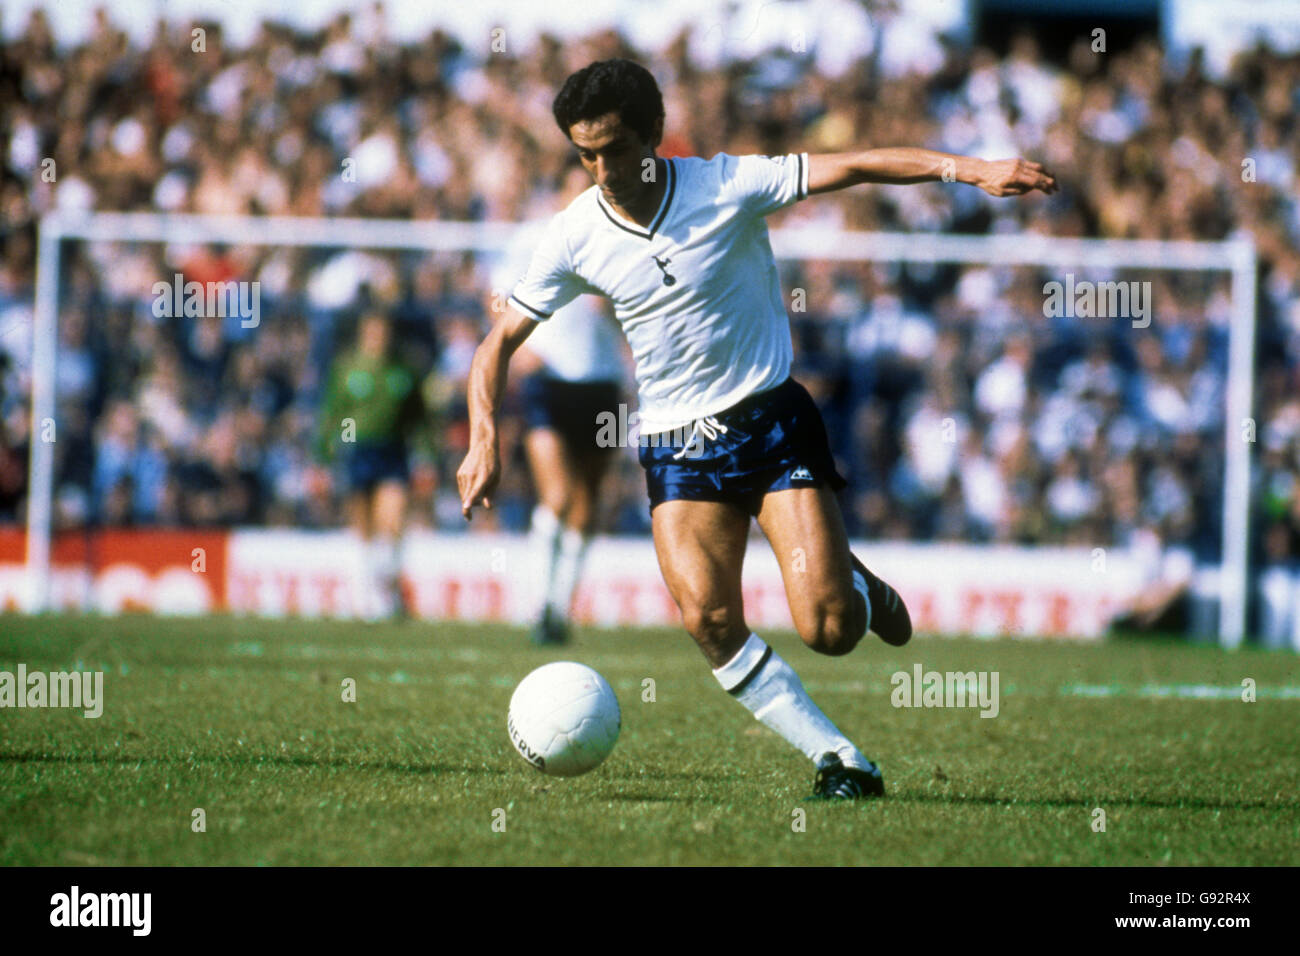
pixel 635 796
pixel 251 760
pixel 657 775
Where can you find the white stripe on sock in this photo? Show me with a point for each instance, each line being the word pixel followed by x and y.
pixel 860 585
pixel 776 697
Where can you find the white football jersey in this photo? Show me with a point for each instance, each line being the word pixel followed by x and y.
pixel 697 292
pixel 578 343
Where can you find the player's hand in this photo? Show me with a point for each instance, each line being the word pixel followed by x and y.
pixel 477 476
pixel 1014 177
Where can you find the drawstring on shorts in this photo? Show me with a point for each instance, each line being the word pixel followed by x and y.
pixel 708 427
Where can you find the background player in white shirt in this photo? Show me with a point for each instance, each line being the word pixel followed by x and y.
pixel 573 368
pixel 680 247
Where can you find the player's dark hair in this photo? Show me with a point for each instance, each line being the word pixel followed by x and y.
pixel 610 86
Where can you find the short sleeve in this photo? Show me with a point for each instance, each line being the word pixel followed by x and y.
pixel 764 184
pixel 550 282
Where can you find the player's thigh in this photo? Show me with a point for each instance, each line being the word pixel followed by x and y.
pixel 806 531
pixel 701 550
pixel 592 465
pixel 552 472
pixel 589 470
pixel 388 503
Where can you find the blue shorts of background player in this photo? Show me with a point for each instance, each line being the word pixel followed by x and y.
pixel 571 409
pixel 369 464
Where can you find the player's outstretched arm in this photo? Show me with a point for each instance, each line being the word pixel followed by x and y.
pixel 906 164
pixel 479 473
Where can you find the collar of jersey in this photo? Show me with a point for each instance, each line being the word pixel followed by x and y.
pixel 658 220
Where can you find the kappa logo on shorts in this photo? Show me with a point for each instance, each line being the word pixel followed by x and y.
pixel 801 474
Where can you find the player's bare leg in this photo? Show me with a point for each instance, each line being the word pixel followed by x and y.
pixel 830 602
pixel 807 535
pixel 833 597
pixel 560 529
pixel 358 509
pixel 591 469
pixel 701 549
pixel 543 448
pixel 550 469
pixel 387 523
pixel 359 524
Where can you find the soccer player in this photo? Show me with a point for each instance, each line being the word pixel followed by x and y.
pixel 573 371
pixel 372 404
pixel 680 247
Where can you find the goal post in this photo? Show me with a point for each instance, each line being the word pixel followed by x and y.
pixel 1236 257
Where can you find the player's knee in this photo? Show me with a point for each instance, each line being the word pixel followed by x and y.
pixel 831 630
pixel 709 622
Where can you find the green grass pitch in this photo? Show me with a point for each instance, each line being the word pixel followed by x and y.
pixel 245 720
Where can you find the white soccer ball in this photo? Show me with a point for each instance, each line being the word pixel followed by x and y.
pixel 564 719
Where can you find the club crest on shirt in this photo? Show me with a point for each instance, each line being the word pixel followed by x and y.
pixel 663 265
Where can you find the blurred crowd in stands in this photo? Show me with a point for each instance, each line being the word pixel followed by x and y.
pixel 958 410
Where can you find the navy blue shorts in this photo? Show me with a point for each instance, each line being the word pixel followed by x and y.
pixel 773 441
pixel 571 409
pixel 368 464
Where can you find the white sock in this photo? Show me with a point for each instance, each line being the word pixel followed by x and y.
pixel 386 567
pixel 363 578
pixel 860 585
pixel 385 557
pixel 568 565
pixel 771 690
pixel 545 536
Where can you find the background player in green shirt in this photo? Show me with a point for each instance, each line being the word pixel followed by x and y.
pixel 373 405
